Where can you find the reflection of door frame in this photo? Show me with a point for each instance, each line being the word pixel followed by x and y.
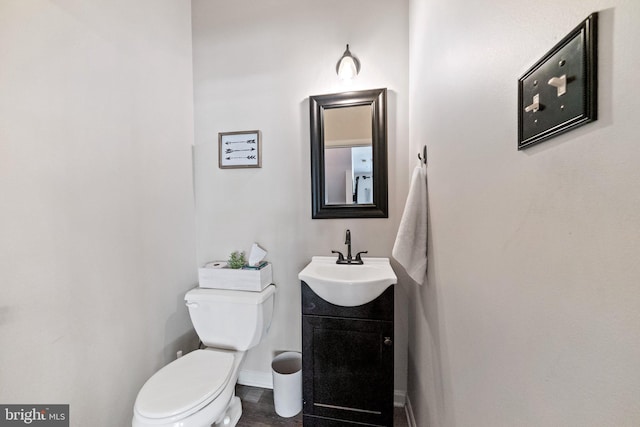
pixel 348 187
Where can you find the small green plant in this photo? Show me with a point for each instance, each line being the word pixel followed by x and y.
pixel 237 260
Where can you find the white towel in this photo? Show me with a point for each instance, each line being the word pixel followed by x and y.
pixel 410 248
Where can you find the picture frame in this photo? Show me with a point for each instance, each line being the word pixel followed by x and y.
pixel 241 149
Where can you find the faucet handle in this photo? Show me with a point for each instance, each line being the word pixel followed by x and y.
pixel 358 257
pixel 340 256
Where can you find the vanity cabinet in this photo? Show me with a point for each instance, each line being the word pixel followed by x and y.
pixel 347 362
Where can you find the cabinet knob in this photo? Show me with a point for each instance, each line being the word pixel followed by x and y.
pixel 387 341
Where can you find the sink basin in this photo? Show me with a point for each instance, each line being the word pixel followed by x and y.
pixel 348 285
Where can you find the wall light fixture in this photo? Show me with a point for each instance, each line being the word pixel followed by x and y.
pixel 348 66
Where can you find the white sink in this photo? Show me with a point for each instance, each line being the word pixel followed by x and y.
pixel 348 285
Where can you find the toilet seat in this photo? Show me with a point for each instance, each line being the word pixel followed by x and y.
pixel 185 385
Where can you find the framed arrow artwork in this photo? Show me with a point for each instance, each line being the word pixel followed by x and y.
pixel 239 149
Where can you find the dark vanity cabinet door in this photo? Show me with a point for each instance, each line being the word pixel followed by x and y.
pixel 347 362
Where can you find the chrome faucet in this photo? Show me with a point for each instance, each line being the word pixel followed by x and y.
pixel 349 259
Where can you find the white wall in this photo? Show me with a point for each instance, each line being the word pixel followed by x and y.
pixel 97 220
pixel 255 65
pixel 531 315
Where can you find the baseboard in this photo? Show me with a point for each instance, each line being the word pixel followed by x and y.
pixel 399 398
pixel 255 378
pixel 411 419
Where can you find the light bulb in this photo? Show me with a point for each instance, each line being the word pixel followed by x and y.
pixel 347 69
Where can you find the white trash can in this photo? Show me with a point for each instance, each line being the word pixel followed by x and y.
pixel 287 383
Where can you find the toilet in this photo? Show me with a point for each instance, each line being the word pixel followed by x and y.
pixel 198 389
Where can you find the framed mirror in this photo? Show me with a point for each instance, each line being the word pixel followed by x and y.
pixel 349 154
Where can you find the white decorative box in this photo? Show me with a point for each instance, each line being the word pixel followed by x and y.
pixel 237 279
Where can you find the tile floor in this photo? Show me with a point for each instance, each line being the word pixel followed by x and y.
pixel 258 410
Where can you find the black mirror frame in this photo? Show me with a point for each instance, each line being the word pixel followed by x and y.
pixel 377 99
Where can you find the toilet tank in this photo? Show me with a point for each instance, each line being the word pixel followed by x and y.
pixel 235 320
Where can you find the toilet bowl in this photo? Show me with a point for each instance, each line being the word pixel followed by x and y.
pixel 198 389
pixel 193 391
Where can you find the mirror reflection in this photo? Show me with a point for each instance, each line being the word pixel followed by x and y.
pixel 348 155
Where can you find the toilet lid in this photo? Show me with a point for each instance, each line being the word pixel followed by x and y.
pixel 185 383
